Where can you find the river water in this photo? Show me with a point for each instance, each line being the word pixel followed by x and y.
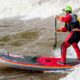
pixel 27 28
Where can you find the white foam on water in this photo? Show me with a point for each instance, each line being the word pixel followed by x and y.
pixel 74 75
pixel 70 52
pixel 30 9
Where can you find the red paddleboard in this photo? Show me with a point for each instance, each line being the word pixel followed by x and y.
pixel 35 63
pixel 52 61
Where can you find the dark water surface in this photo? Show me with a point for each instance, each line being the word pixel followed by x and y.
pixel 16 74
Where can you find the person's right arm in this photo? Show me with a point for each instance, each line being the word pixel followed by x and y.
pixel 62 29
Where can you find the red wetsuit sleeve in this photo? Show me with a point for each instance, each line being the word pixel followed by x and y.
pixel 63 29
pixel 66 19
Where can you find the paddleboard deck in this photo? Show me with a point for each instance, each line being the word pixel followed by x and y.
pixel 37 63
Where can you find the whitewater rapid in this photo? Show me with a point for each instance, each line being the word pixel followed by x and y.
pixel 29 9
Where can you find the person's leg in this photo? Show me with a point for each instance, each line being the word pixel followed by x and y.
pixel 74 40
pixel 64 47
pixel 77 50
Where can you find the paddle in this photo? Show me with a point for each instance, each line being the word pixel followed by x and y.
pixel 55 45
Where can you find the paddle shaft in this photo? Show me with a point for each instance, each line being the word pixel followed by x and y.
pixel 55 45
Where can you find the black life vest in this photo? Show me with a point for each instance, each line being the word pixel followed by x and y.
pixel 73 24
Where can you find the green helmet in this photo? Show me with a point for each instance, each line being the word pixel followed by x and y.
pixel 68 8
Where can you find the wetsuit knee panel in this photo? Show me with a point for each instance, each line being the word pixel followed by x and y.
pixel 75 45
pixel 65 44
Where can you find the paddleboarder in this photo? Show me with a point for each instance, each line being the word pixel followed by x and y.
pixel 72 26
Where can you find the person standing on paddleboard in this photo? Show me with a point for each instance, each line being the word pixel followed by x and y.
pixel 72 26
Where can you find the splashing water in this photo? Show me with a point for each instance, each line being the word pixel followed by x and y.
pixel 29 9
pixel 74 75
pixel 70 52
